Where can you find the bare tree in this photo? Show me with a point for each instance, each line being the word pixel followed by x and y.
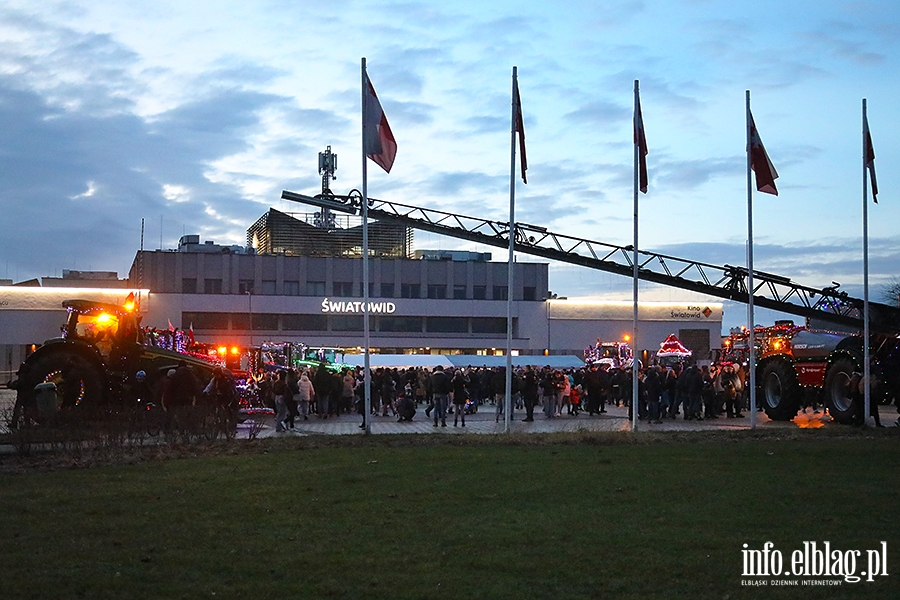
pixel 890 293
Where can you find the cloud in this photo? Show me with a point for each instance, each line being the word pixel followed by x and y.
pixel 605 115
pixel 691 174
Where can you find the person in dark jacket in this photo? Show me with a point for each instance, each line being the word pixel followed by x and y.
pixel 692 384
pixel 529 392
pixel 460 395
pixel 440 390
pixel 653 389
pixel 323 382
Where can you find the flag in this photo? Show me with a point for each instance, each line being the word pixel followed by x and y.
pixel 379 141
pixel 870 159
pixel 191 333
pixel 520 128
pixel 760 163
pixel 171 327
pixel 640 140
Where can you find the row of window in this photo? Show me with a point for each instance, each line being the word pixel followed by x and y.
pixel 347 289
pixel 320 322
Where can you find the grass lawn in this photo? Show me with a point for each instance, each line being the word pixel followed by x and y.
pixel 570 516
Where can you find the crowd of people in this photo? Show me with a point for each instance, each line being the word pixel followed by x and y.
pixel 692 392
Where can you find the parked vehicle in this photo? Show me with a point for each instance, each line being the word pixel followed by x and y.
pixel 797 364
pixel 94 366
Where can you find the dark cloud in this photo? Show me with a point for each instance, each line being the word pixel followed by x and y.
pixel 76 185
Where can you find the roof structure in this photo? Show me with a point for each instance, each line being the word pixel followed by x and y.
pixel 276 232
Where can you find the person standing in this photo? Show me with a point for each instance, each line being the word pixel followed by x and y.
pixel 280 407
pixel 529 392
pixel 305 393
pixel 322 382
pixel 348 385
pixel 653 389
pixel 291 391
pixel 460 395
pixel 440 391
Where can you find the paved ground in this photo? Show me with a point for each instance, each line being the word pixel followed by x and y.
pixel 484 422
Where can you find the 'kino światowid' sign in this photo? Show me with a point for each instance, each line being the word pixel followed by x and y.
pixel 352 306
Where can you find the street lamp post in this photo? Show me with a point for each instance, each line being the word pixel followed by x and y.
pixel 249 293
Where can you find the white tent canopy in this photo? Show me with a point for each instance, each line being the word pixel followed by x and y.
pixel 463 360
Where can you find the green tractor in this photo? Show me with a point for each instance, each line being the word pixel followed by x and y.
pixel 101 364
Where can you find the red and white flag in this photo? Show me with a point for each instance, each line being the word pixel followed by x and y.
pixel 640 140
pixel 870 159
pixel 191 333
pixel 379 142
pixel 520 128
pixel 760 163
pixel 171 327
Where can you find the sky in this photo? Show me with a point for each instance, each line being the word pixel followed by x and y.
pixel 194 116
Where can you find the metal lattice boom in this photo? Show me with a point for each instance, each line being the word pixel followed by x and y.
pixel 726 282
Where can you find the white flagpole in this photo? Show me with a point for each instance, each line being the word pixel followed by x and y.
pixel 512 240
pixel 867 393
pixel 634 260
pixel 751 342
pixel 367 377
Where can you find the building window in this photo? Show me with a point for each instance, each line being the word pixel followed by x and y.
pixel 265 322
pixel 387 290
pixel 315 288
pixel 488 325
pixel 204 320
pixel 268 287
pixel 479 292
pixel 459 292
pixel 304 322
pixel 447 324
pixel 188 286
pixel 501 292
pixel 245 286
pixel 529 293
pixel 346 322
pixel 212 286
pixel 437 291
pixel 291 288
pixel 404 324
pixel 342 288
pixel 410 290
pixel 240 321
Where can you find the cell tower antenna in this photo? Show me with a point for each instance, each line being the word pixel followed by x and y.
pixel 327 167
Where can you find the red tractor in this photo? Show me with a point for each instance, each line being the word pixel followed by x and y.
pixel 797 366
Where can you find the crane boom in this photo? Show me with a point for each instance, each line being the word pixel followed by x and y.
pixel 721 281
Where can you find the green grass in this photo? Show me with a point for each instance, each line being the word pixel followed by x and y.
pixel 581 516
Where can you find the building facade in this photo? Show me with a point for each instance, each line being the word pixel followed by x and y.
pixel 416 304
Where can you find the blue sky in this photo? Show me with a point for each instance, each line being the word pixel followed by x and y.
pixel 198 114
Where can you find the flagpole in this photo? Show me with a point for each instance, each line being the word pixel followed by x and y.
pixel 512 240
pixel 367 377
pixel 634 261
pixel 867 393
pixel 751 342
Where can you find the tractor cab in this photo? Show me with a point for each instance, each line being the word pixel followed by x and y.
pixel 103 326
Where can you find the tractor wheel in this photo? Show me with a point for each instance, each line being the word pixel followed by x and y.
pixel 780 390
pixel 842 400
pixel 79 383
